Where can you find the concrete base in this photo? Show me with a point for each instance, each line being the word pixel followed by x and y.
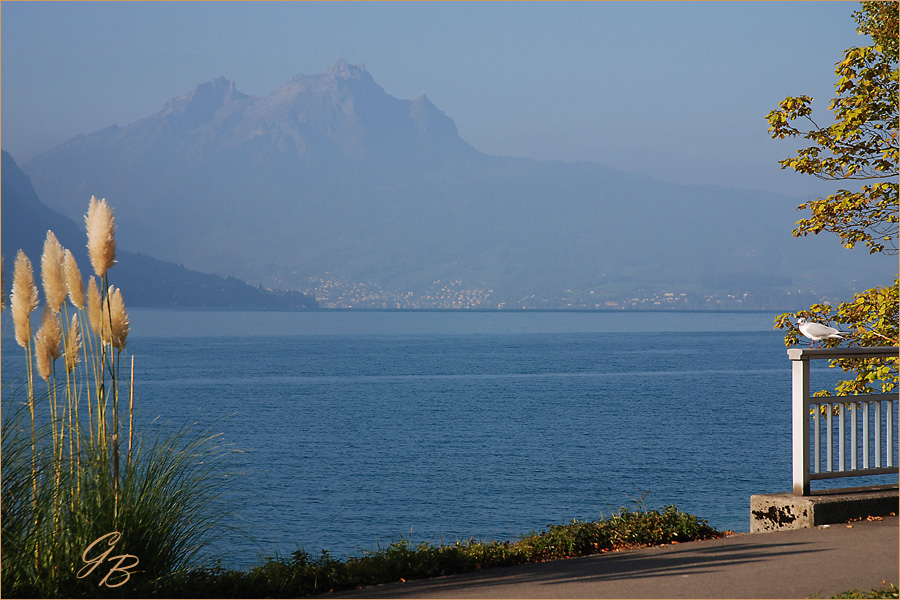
pixel 774 512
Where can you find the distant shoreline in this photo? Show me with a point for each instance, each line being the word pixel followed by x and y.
pixel 467 310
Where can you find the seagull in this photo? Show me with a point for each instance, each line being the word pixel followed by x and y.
pixel 817 332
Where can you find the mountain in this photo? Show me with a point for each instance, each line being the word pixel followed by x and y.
pixel 330 177
pixel 144 281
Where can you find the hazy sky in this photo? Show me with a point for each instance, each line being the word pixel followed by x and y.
pixel 678 90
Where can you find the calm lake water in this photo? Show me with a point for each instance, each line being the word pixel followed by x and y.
pixel 357 427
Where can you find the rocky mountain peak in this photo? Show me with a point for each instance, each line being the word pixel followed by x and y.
pixel 342 69
pixel 335 77
pixel 201 105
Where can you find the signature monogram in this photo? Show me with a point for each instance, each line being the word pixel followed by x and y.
pixel 117 572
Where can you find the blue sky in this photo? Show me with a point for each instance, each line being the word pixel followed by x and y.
pixel 677 90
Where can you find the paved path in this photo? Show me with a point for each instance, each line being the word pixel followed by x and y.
pixel 789 564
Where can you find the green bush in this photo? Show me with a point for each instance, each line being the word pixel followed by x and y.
pixel 304 574
pixel 888 591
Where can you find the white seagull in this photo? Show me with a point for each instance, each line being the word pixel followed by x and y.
pixel 817 332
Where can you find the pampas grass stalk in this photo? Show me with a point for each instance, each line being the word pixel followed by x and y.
pixel 48 347
pixel 23 301
pixel 94 307
pixel 101 233
pixel 73 348
pixel 94 310
pixel 131 412
pixel 114 332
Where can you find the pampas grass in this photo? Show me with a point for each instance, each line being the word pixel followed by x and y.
pixel 50 332
pixel 74 282
pixel 101 234
pixel 46 344
pixel 52 273
pixel 94 306
pixel 115 325
pixel 73 344
pixel 24 299
pixel 67 481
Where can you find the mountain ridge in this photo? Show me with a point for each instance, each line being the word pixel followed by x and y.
pixel 144 280
pixel 329 173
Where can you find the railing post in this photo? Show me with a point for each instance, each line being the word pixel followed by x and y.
pixel 878 463
pixel 854 418
pixel 889 429
pixel 841 458
pixel 866 428
pixel 800 425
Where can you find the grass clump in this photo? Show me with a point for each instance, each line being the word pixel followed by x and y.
pixel 305 575
pixel 91 507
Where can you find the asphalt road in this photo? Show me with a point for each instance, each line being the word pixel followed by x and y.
pixel 818 562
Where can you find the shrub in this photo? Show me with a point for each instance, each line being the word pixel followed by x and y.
pixel 305 575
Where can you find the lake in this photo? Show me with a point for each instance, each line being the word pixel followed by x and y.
pixel 357 427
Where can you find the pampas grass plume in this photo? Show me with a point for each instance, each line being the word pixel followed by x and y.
pixel 47 342
pixel 52 273
pixel 115 319
pixel 51 331
pixel 94 306
pixel 23 299
pixel 43 358
pixel 101 234
pixel 74 282
pixel 73 344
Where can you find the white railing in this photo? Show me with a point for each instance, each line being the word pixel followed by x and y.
pixel 871 421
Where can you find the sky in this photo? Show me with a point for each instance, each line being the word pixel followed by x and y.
pixel 676 90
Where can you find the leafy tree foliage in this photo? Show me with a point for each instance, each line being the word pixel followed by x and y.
pixel 862 144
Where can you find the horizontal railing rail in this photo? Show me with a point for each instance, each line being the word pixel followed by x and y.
pixel 871 422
